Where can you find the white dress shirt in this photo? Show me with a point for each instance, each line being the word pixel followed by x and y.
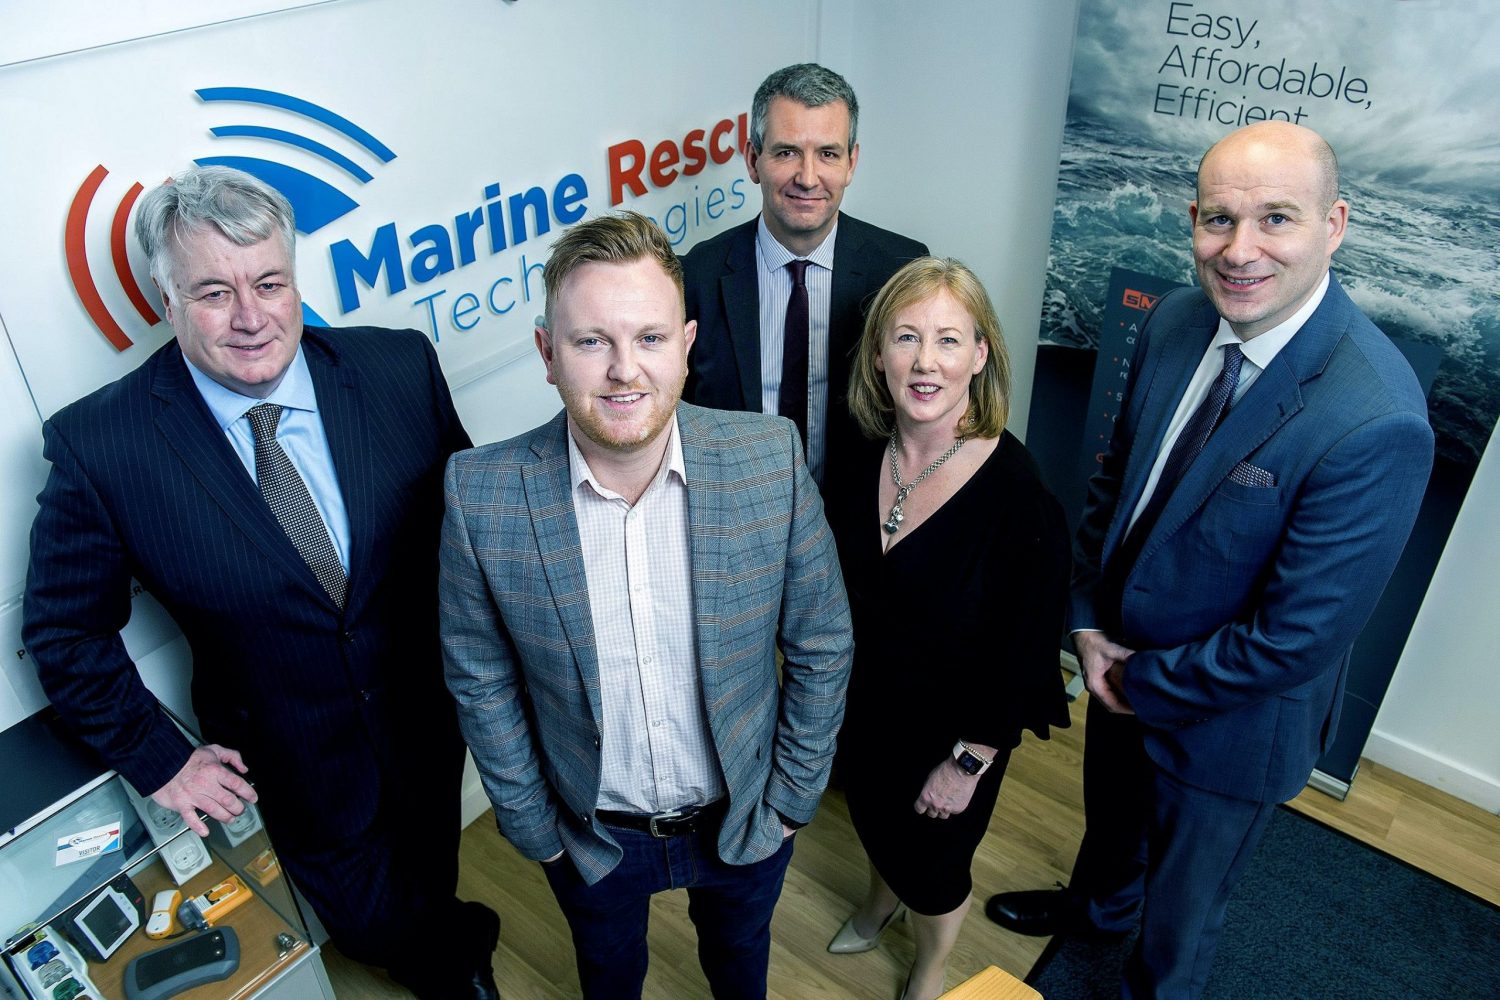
pixel 1258 352
pixel 775 281
pixel 656 751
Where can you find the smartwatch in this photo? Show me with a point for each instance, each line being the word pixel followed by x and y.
pixel 970 761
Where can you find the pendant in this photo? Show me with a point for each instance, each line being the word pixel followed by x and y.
pixel 893 523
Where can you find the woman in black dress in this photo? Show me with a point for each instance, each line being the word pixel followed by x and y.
pixel 956 561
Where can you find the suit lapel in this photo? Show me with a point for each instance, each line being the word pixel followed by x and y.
pixel 341 407
pixel 704 465
pixel 703 460
pixel 1268 404
pixel 844 314
pixel 740 287
pixel 554 523
pixel 191 431
pixel 1163 387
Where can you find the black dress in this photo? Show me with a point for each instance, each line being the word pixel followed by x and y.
pixel 956 635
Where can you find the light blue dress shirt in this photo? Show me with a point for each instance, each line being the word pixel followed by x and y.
pixel 300 435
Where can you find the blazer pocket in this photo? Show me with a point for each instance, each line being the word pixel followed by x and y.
pixel 1252 476
pixel 1242 493
pixel 1240 528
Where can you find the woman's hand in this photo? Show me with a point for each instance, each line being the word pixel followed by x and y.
pixel 946 792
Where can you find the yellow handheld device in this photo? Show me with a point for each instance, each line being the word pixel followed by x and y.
pixel 218 902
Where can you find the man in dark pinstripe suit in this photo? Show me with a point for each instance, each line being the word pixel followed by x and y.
pixel 314 645
pixel 615 586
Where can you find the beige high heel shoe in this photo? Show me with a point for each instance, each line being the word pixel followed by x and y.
pixel 848 942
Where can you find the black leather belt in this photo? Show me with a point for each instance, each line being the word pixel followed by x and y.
pixel 668 824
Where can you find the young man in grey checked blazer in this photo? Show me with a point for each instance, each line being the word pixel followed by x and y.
pixel 615 585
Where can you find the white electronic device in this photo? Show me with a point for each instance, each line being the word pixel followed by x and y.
pixel 163 921
pixel 161 819
pixel 238 829
pixel 182 851
pixel 107 921
pixel 185 856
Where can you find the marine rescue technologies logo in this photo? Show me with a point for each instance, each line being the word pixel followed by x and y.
pixel 382 263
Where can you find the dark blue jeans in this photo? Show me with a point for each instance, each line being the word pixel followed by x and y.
pixel 730 905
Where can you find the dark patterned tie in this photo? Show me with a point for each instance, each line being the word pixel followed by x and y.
pixel 791 402
pixel 1195 434
pixel 287 496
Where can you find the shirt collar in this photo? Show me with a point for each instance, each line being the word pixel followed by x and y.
pixel 1261 350
pixel 580 473
pixel 295 392
pixel 775 255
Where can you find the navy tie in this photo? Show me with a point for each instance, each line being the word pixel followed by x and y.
pixel 1195 434
pixel 791 401
pixel 287 496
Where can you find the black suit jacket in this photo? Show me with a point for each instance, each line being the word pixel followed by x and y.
pixel 320 701
pixel 723 295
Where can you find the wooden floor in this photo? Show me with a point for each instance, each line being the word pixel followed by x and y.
pixel 1032 840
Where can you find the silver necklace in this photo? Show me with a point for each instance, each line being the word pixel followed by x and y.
pixel 903 490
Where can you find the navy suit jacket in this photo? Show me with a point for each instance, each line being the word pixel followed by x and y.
pixel 1245 599
pixel 144 484
pixel 520 654
pixel 723 295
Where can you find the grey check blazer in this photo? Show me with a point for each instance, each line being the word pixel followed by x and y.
pixel 518 641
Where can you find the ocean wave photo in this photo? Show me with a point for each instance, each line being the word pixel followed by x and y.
pixel 1418 260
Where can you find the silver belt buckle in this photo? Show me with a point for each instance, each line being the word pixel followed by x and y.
pixel 675 814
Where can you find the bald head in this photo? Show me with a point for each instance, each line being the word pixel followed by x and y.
pixel 1281 142
pixel 1266 222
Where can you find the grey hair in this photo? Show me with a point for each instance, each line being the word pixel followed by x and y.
pixel 808 84
pixel 244 209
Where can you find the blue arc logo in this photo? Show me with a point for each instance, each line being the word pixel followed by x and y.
pixel 315 202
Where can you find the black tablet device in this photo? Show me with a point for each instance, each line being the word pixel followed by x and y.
pixel 166 972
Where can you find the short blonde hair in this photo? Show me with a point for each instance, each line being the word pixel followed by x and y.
pixel 622 238
pixel 870 400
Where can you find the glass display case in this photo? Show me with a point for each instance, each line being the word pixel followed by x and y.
pixel 105 895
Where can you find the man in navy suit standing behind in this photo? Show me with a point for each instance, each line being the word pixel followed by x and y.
pixel 1261 482
pixel 779 301
pixel 278 489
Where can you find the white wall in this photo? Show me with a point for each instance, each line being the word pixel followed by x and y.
pixel 961 115
pixel 1438 722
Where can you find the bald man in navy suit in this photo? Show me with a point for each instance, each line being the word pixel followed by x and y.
pixel 279 490
pixel 1260 484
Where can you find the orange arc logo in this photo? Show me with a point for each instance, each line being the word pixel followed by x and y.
pixel 78 263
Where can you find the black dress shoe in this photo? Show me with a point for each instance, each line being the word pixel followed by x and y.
pixel 1037 912
pixel 483 926
pixel 471 973
pixel 479 986
pixel 482 985
pixel 480 925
